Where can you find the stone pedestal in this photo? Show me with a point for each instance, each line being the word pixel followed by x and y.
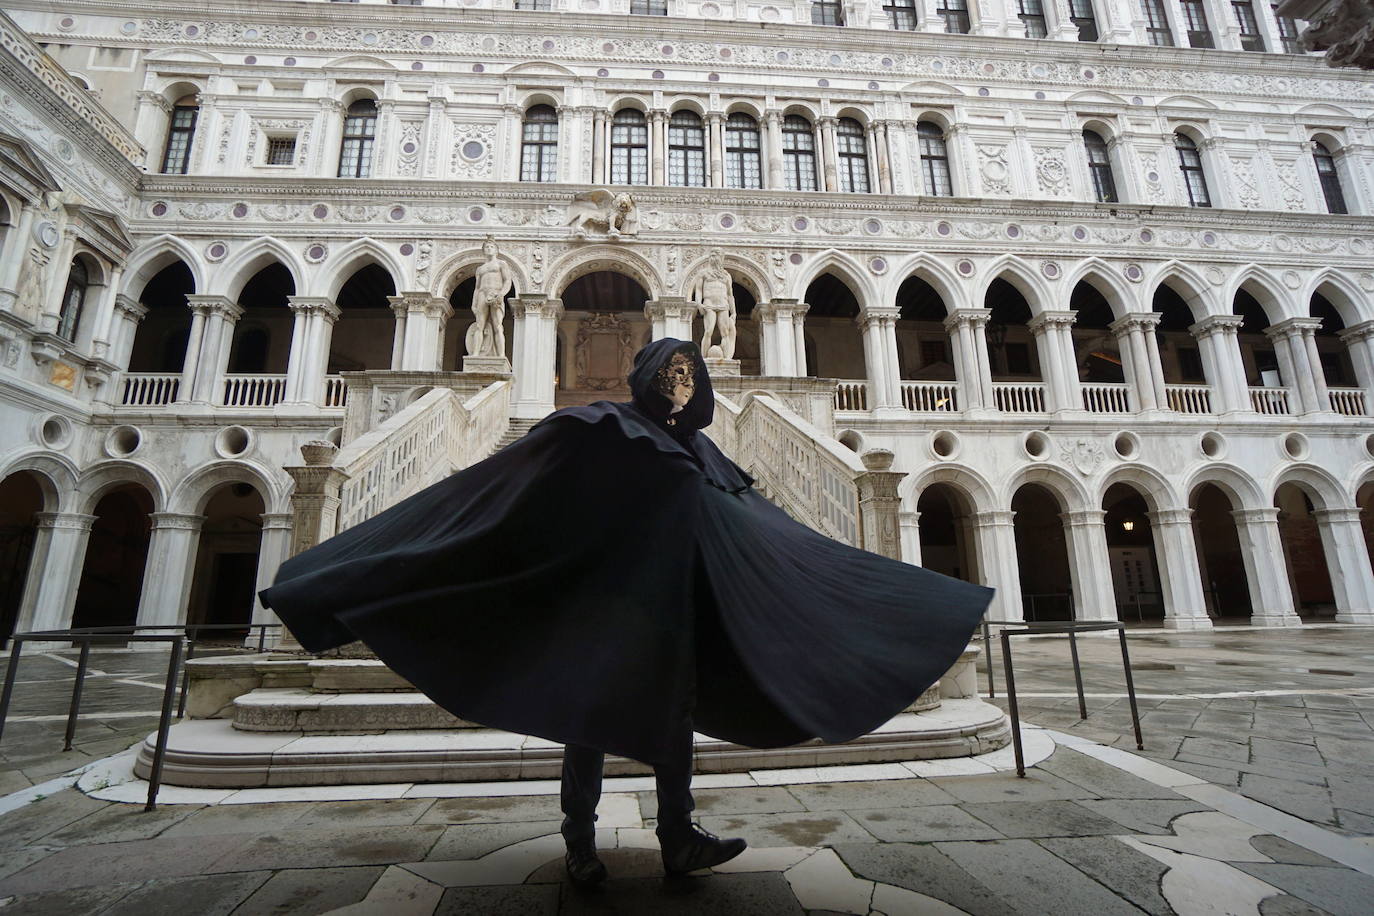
pixel 488 365
pixel 722 368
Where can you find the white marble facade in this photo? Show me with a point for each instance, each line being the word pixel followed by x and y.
pixel 954 311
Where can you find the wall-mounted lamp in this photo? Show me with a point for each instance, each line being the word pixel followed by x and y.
pixel 1128 524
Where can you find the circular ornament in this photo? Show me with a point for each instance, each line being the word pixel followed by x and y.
pixel 216 251
pixel 1291 279
pixel 1050 270
pixel 397 213
pixel 795 259
pixel 943 228
pixel 727 221
pixel 1134 273
pixel 240 211
pixel 476 215
pixel 320 211
pixel 316 253
pixel 1214 275
pixel 407 249
pixel 474 150
pixel 878 266
pixel 873 226
pixel 1147 236
pixel 965 268
pixel 159 209
pixel 801 224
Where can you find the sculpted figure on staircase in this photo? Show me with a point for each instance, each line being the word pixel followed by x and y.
pixel 486 336
pixel 713 290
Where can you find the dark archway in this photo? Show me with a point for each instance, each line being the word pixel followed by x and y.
pixel 116 555
pixel 1308 573
pixel 262 336
pixel 1131 552
pixel 834 345
pixel 605 327
pixel 946 542
pixel 1225 586
pixel 923 345
pixel 1179 356
pixel 226 570
pixel 21 499
pixel 364 334
pixel 1098 358
pixel 160 340
pixel 1042 554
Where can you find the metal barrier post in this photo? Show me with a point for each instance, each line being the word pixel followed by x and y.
pixel 186 676
pixel 1011 704
pixel 1078 676
pixel 262 637
pixel 13 669
pixel 164 723
pixel 75 709
pixel 1130 689
pixel 987 651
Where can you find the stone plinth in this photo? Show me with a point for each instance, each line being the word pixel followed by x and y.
pixel 722 368
pixel 486 365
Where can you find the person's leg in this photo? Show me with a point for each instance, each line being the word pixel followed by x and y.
pixel 581 791
pixel 673 777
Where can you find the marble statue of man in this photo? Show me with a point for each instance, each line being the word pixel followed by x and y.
pixel 713 291
pixel 486 336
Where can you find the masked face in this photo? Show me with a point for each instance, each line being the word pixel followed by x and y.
pixel 676 380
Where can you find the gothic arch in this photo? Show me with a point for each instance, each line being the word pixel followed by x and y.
pixel 932 270
pixel 1020 275
pixel 1266 289
pixel 583 261
pixel 744 272
pixel 463 264
pixel 155 254
pixel 100 478
pixel 1191 286
pixel 1361 475
pixel 235 273
pixel 1101 277
pixel 352 257
pixel 845 269
pixel 194 490
pixel 1351 303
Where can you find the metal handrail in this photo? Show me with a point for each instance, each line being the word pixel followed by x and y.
pixel 1012 628
pixel 182 642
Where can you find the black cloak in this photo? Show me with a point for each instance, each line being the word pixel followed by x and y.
pixel 613 570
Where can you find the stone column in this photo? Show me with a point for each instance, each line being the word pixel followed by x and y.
pixel 103 321
pixel 308 362
pixel 1180 578
pixel 434 165
pixel 827 125
pixel 59 551
pixel 1359 342
pixel 421 329
pixel 780 323
pixel 273 550
pixel 658 147
pixel 671 316
pixel 534 362
pixel 1219 347
pixel 776 179
pixel 878 503
pixel 1134 334
pixel 150 127
pixel 17 243
pixel 1347 562
pixel 61 263
pixel 212 330
pixel 128 314
pixel 880 168
pixel 1296 349
pixel 1090 565
pixel 799 338
pixel 599 147
pixel 1058 362
pixel 995 533
pixel 171 562
pixel 1271 598
pixel 330 145
pixel 715 123
pixel 878 325
pixel 909 526
pixel 967 330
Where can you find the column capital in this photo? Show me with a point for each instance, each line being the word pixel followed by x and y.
pixel 826 121
pixel 71 521
pixel 772 116
pixel 155 98
pixel 1340 514
pixel 871 314
pixel 308 304
pixel 1215 323
pixel 968 317
pixel 1293 327
pixel 715 117
pixel 1083 518
pixel 774 309
pixel 1051 318
pixel 1261 515
pixel 1145 321
pixel 670 307
pixel 178 521
pixel 215 305
pixel 423 301
pixel 277 521
pixel 127 305
pixel 994 518
pixel 331 104
pixel 1357 333
pixel 1163 517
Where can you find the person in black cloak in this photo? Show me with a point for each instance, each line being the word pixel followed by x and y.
pixel 611 581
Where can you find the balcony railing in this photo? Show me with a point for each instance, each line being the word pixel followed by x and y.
pixel 253 390
pixel 1106 397
pixel 930 397
pixel 335 391
pixel 1019 397
pixel 149 389
pixel 851 396
pixel 1189 398
pixel 1269 401
pixel 1348 401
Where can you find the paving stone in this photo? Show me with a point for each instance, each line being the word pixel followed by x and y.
pixel 620 863
pixel 1037 785
pixel 1281 850
pixel 1101 778
pixel 1287 905
pixel 387 812
pixel 796 829
pixel 108 863
pixel 23 826
pixel 319 847
pixel 118 823
pixel 1043 818
pixel 502 900
pixel 1352 793
pixel 1286 751
pixel 493 810
pixel 1311 803
pixel 16 860
pixel 1142 815
pixel 64 903
pixel 305 892
pixel 1032 879
pixel 1235 751
pixel 212 895
pixel 757 800
pixel 1126 871
pixel 925 824
pixel 1355 823
pixel 925 870
pixel 1339 891
pixel 1315 776
pixel 903 793
pixel 761 893
pixel 226 819
pixel 472 841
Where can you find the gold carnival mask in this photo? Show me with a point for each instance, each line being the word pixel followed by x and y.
pixel 676 379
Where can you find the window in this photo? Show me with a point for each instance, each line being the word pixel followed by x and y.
pixel 1100 167
pixel 539 145
pixel 1190 164
pixel 1082 15
pixel 934 159
pixel 407 2
pixel 827 12
pixel 955 14
pixel 629 147
pixel 1330 179
pixel 180 130
pixel 852 153
pixel 360 132
pixel 1157 23
pixel 281 151
pixel 798 153
pixel 1288 32
pixel 1033 17
pixel 743 159
pixel 73 298
pixel 1195 21
pixel 686 150
pixel 538 5
pixel 901 13
pixel 649 7
pixel 1250 37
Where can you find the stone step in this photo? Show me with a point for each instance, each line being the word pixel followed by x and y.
pixel 295 709
pixel 213 753
pixel 517 429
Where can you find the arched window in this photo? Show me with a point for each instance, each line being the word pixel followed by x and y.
pixel 827 12
pixel 686 150
pixel 359 135
pixel 798 153
pixel 539 145
pixel 934 159
pixel 852 153
pixel 73 298
pixel 181 129
pixel 1330 179
pixel 1190 165
pixel 901 13
pixel 1100 167
pixel 1033 17
pixel 743 162
pixel 1082 15
pixel 629 147
pixel 955 14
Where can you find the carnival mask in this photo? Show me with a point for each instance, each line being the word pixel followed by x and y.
pixel 676 379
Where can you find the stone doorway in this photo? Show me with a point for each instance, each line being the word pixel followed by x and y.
pixel 603 327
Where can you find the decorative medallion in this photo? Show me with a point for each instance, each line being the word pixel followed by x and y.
pixel 1084 454
pixel 316 253
pixel 216 251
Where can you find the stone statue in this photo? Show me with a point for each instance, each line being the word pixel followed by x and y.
pixel 713 290
pixel 486 336
pixel 616 214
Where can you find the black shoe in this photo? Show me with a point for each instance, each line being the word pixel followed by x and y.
pixel 584 868
pixel 693 848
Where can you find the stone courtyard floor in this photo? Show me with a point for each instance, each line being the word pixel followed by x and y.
pixel 1255 794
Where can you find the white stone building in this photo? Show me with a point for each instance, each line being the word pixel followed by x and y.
pixel 1109 302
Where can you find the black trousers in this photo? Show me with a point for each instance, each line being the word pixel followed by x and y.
pixel 581 789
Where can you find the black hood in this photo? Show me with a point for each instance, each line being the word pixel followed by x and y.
pixel 699 410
